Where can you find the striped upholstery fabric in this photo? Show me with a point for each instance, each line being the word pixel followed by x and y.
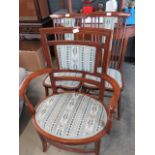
pixel 70 84
pixel 71 116
pixel 102 22
pixel 115 74
pixel 76 57
pixel 68 22
pixel 108 22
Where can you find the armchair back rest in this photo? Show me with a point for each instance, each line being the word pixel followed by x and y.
pixel 82 79
pixel 82 53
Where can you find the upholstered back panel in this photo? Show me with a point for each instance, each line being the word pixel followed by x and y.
pixel 101 22
pixel 68 22
pixel 108 22
pixel 76 57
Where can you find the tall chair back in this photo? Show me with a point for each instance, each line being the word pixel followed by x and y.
pixel 82 53
pixel 114 21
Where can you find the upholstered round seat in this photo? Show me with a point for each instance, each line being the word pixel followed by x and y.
pixel 71 116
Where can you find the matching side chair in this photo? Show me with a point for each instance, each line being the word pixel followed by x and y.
pixel 114 21
pixel 67 118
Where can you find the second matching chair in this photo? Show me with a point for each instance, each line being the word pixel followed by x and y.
pixel 114 21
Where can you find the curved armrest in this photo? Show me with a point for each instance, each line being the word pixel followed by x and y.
pixel 116 91
pixel 26 82
pixel 113 101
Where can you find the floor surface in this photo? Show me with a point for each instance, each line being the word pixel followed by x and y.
pixel 119 142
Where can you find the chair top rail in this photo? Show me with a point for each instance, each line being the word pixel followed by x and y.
pixel 94 14
pixel 76 42
pixel 83 30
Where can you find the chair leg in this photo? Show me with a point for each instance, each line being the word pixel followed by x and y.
pixel 97 147
pixel 46 91
pixel 109 127
pixel 44 143
pixel 119 108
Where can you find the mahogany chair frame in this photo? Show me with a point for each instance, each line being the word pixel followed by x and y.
pixel 119 33
pixel 85 36
pixel 61 142
pixel 118 49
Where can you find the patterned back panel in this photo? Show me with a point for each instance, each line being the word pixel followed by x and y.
pixel 66 22
pixel 100 22
pixel 76 57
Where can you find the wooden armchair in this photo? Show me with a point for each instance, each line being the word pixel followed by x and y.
pixel 114 21
pixel 77 53
pixel 72 118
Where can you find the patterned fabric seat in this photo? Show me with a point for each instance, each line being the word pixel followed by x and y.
pixel 115 74
pixel 71 115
